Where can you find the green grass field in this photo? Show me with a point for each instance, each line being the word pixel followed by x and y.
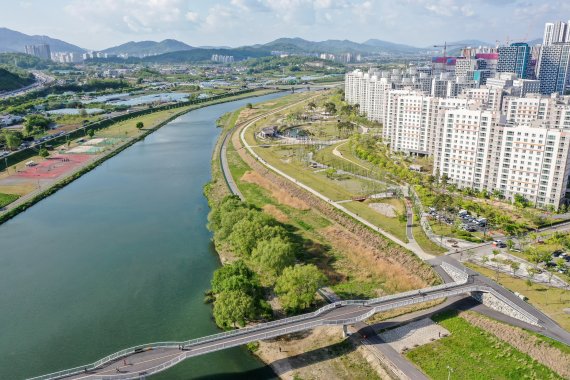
pixel 6 199
pixel 424 241
pixel 391 224
pixel 472 353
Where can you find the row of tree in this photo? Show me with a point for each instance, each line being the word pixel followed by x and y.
pixel 267 257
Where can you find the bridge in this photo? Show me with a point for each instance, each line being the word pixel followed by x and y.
pixel 147 359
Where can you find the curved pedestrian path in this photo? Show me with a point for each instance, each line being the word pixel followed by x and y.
pixel 412 246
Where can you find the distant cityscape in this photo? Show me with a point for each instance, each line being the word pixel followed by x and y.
pixel 493 119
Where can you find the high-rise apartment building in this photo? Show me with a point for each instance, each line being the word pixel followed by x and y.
pixel 41 51
pixel 555 32
pixel 514 59
pixel 554 68
pixel 501 137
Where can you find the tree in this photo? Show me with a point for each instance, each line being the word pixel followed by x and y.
pixel 510 244
pixel 297 285
pixel 514 266
pixel 249 106
pixel 311 105
pixel 43 153
pixel 528 283
pixel 140 125
pixel 233 306
pixel 273 256
pixel 330 108
pixel 35 121
pixel 247 232
pixel 561 264
pixel 234 276
pixel 91 133
pixel 13 140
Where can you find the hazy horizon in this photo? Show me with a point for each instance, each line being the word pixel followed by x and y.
pixel 99 24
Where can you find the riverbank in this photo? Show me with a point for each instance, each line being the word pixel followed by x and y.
pixel 355 271
pixel 28 200
pixel 124 260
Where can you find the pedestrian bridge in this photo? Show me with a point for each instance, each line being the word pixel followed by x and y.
pixel 147 359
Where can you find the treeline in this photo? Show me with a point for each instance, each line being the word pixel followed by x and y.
pixel 292 64
pixel 21 104
pixel 268 256
pixel 12 81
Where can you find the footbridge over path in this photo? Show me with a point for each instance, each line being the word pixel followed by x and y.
pixel 144 360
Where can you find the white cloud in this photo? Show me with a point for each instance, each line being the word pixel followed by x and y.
pixel 447 8
pixel 192 16
pixel 144 16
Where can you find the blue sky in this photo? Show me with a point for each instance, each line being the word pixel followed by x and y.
pixel 97 24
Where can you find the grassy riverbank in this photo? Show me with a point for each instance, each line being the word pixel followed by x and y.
pixel 351 272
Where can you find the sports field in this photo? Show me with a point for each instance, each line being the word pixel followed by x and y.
pixel 54 166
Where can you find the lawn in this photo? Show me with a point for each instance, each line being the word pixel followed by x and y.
pixel 472 353
pixel 6 199
pixel 390 224
pixel 424 241
pixel 551 301
pixel 128 128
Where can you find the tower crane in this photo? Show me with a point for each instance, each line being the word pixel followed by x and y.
pixel 445 46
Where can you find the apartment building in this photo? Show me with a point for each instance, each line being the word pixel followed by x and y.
pixel 554 68
pixel 485 138
pixel 533 161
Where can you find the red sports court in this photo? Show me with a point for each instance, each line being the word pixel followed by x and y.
pixel 54 166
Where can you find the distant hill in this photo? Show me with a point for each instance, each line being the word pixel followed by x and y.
pixel 373 46
pixel 194 55
pixel 390 46
pixel 536 41
pixel 11 81
pixel 12 41
pixel 144 48
pixel 461 44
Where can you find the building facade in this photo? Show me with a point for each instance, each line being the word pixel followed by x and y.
pixel 554 68
pixel 495 138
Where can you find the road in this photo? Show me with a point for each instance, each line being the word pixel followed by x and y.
pixel 42 80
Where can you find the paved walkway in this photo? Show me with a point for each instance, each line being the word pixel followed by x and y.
pixel 413 334
pixel 414 247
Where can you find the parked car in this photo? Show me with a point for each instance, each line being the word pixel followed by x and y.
pixel 499 243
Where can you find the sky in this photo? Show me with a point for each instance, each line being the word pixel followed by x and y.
pixel 98 24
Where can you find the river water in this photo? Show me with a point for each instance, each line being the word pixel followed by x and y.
pixel 118 258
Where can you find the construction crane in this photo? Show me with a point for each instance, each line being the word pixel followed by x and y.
pixel 445 46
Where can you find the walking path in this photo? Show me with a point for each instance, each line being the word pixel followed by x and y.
pixel 412 246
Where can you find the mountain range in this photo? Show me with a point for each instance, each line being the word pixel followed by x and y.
pixel 13 41
pixel 144 48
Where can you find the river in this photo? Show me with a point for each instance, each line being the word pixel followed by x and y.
pixel 118 258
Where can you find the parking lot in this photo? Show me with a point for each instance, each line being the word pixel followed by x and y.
pixel 463 220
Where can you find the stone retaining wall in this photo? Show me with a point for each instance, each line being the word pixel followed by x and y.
pixel 493 302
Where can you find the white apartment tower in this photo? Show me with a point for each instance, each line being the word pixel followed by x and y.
pixel 495 137
pixel 556 32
